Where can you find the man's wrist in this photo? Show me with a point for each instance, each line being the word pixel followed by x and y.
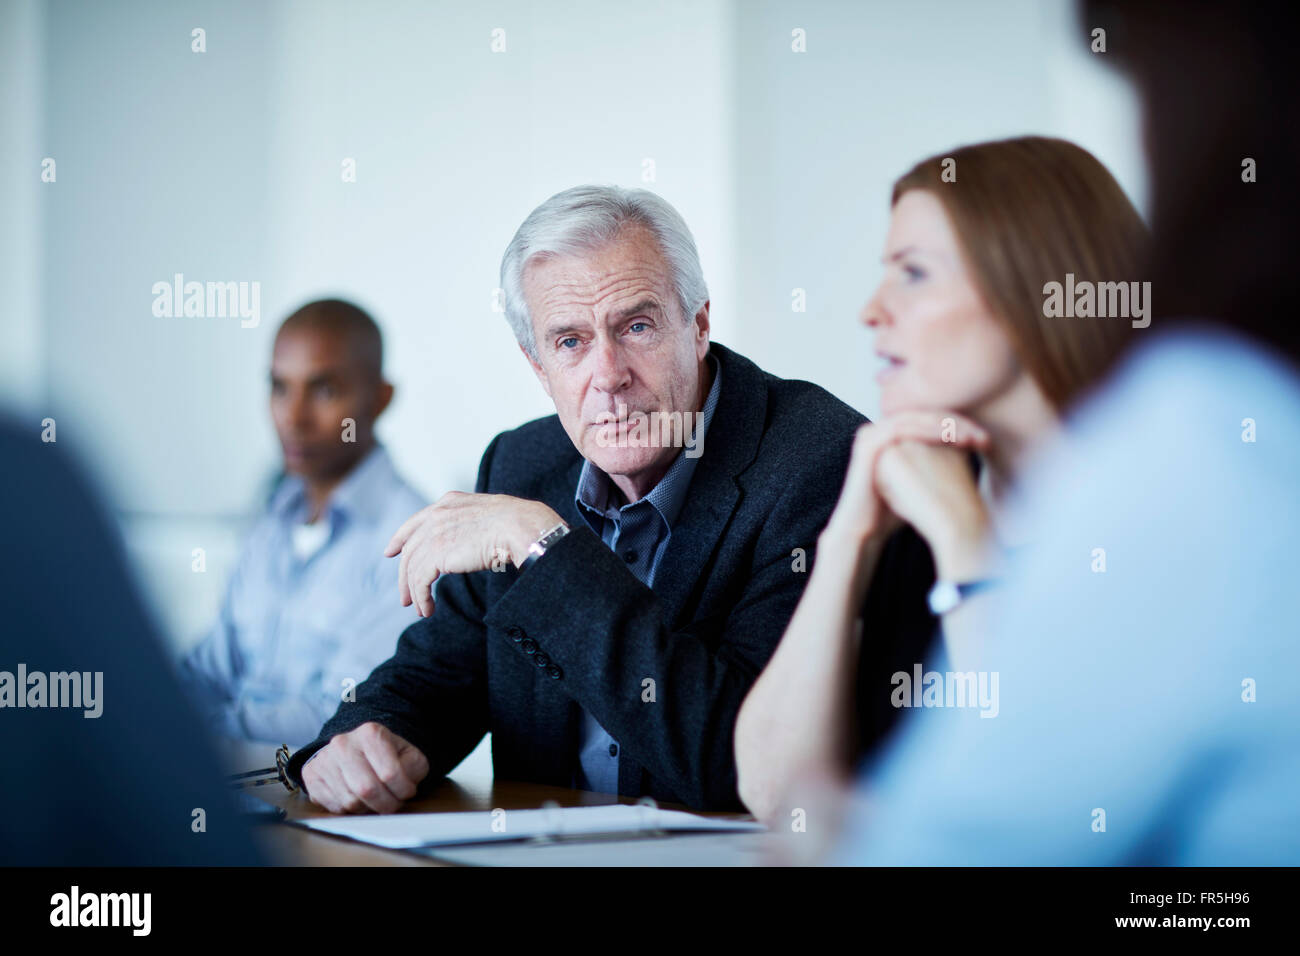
pixel 529 525
pixel 543 533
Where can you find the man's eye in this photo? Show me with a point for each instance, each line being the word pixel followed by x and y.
pixel 564 343
pixel 638 325
pixel 912 272
pixel 324 391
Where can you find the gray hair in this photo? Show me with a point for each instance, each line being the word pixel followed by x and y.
pixel 586 218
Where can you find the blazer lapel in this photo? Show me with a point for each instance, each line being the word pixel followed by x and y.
pixel 729 446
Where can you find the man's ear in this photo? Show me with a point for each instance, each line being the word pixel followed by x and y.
pixel 383 397
pixel 538 371
pixel 702 331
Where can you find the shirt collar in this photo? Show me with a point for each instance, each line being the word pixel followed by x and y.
pixel 594 492
pixel 360 494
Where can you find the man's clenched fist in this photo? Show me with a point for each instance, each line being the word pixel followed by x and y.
pixel 370 768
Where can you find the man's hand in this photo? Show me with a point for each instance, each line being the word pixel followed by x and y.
pixel 370 768
pixel 461 533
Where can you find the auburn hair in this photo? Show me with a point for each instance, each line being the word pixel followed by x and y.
pixel 1026 212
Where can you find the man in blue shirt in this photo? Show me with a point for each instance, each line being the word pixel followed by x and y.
pixel 311 608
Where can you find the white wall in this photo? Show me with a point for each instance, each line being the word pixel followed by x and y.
pixel 226 165
pixel 454 145
pixel 821 136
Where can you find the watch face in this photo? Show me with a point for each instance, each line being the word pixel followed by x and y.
pixel 554 536
pixel 944 596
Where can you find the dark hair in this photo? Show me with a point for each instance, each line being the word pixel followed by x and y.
pixel 1218 87
pixel 365 343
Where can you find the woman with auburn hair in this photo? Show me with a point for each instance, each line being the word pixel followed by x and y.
pixel 1151 713
pixel 976 377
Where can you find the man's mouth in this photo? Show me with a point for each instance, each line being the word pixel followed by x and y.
pixel 622 417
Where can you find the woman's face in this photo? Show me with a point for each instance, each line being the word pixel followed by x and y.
pixel 942 346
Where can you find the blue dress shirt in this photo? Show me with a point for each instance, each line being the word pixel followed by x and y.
pixel 639 533
pixel 294 635
pixel 1146 643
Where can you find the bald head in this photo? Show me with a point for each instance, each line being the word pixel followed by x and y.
pixel 350 325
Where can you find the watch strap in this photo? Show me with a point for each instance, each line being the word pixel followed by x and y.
pixel 543 544
pixel 946 596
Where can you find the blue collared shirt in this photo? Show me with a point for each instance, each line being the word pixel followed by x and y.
pixel 294 634
pixel 639 534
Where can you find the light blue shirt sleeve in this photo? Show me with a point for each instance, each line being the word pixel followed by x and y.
pixel 1146 645
pixel 210 671
pixel 293 638
pixel 297 709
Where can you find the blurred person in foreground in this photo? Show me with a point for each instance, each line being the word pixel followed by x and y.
pixel 309 612
pixel 106 763
pixel 1146 644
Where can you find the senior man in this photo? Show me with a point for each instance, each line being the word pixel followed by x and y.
pixel 614 586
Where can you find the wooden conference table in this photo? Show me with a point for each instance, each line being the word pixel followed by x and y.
pixel 297 846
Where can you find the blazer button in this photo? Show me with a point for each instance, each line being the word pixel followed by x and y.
pixel 529 645
pixel 514 633
pixel 554 672
pixel 541 660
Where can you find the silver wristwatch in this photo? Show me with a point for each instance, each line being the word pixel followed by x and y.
pixel 947 595
pixel 544 543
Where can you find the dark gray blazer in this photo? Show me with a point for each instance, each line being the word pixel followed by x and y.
pixel 516 653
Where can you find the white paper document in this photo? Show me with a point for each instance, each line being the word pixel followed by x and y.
pixel 400 831
pixel 674 850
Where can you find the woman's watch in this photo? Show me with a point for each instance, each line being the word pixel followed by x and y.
pixel 542 544
pixel 947 595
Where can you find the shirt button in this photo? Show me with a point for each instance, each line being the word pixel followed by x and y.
pixel 613 750
pixel 514 633
pixel 554 672
pixel 529 646
pixel 629 556
pixel 541 660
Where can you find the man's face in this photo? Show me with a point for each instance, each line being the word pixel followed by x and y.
pixel 610 333
pixel 314 386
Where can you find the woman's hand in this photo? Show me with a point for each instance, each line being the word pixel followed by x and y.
pixel 930 486
pixel 863 513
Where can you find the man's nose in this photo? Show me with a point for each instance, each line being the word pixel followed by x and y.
pixel 299 412
pixel 612 372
